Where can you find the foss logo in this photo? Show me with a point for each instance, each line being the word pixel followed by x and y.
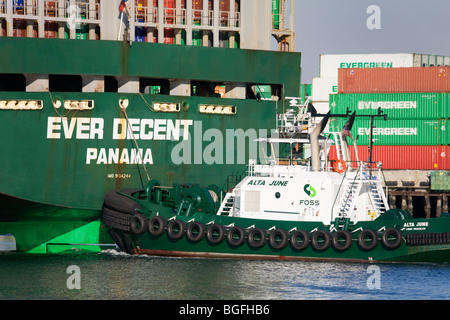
pixel 311 192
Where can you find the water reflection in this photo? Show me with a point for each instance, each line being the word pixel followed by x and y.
pixel 116 276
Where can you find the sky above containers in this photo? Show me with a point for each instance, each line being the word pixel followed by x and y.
pixel 341 27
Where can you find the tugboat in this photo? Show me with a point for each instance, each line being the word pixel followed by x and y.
pixel 293 204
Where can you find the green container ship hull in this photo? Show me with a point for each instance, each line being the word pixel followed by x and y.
pixel 65 178
pixel 63 150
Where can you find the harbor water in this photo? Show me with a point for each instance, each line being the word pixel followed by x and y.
pixel 110 275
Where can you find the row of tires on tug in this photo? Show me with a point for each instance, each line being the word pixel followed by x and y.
pixel 278 239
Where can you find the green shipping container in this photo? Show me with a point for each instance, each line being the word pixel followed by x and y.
pixel 440 180
pixel 305 92
pixel 394 105
pixel 445 131
pixel 276 14
pixel 264 91
pixel 406 132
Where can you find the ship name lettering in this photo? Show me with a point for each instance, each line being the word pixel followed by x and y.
pixel 408 224
pixel 257 183
pixel 82 128
pixel 422 224
pixel 89 128
pixel 150 129
pixel 278 183
pixel 118 156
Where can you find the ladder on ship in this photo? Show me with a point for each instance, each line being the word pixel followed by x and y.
pixel 352 190
pixel 378 197
pixel 226 205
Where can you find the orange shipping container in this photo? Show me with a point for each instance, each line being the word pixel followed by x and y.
pixel 394 80
pixel 403 157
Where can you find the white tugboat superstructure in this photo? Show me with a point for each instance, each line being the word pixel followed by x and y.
pixel 298 183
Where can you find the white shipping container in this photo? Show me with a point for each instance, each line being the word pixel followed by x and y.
pixel 430 60
pixel 330 63
pixel 321 88
pixel 446 61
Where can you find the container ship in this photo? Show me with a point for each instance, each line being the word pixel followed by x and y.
pixel 102 95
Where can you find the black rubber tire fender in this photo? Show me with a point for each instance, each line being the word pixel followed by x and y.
pixel 195 231
pixel 138 224
pixel 278 239
pixel 398 239
pixel 157 226
pixel 325 235
pixel 176 229
pixel 231 236
pixel 337 236
pixel 295 235
pixel 257 237
pixel 215 233
pixel 362 239
pixel 120 203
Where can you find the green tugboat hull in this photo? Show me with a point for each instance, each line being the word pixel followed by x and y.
pixel 397 237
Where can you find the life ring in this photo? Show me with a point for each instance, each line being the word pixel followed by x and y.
pixel 388 242
pixel 326 240
pixel 294 239
pixel 157 225
pixel 367 239
pixel 138 223
pixel 340 235
pixel 256 237
pixel 175 229
pixel 195 231
pixel 236 236
pixel 278 239
pixel 215 233
pixel 340 166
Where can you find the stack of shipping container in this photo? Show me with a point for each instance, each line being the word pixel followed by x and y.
pixel 329 64
pixel 416 100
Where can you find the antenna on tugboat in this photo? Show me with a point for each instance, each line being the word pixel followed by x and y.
pixel 348 126
pixel 372 116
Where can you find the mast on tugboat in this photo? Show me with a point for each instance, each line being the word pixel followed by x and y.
pixel 349 124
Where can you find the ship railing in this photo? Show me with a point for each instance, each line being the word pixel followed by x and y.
pixel 296 118
pixel 144 15
pixel 18 9
pixel 202 18
pixel 229 19
pixel 58 11
pixel 355 179
pixel 276 168
pixel 291 122
pixel 169 15
pixel 290 167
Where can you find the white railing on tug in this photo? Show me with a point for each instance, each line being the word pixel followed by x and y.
pixel 296 118
pixel 274 170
